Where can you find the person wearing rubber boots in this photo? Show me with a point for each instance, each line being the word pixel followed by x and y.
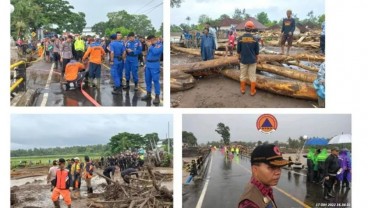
pixel 152 71
pixel 248 50
pixel 62 184
pixel 133 49
pixel 116 61
pixel 95 53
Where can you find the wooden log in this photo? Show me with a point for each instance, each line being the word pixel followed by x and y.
pixel 194 51
pixel 180 81
pixel 226 61
pixel 300 44
pixel 162 190
pixel 101 175
pixel 294 89
pixel 290 73
pixel 309 68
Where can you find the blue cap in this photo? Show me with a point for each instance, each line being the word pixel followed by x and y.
pixel 113 36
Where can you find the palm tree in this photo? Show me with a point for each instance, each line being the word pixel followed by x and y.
pixel 188 19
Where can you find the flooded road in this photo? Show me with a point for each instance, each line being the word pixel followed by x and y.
pixel 226 180
pixel 50 92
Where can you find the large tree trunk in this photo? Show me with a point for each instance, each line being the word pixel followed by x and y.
pixel 194 51
pixel 294 89
pixel 290 73
pixel 226 61
pixel 297 63
pixel 180 81
pixel 300 44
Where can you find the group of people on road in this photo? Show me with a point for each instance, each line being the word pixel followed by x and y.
pixel 65 175
pixel 329 170
pixel 81 58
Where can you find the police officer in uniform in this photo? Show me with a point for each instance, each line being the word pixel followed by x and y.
pixel 266 161
pixel 152 71
pixel 133 49
pixel 117 63
pixel 331 168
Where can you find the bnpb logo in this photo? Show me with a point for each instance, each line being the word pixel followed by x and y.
pixel 267 123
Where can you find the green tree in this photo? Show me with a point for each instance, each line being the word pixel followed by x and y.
pixel 224 16
pixel 224 131
pixel 240 14
pixel 125 141
pixel 100 28
pixel 140 24
pixel 56 15
pixel 321 18
pixel 259 142
pixel 202 19
pixel 123 31
pixel 175 3
pixel 175 28
pixel 151 140
pixel 262 17
pixel 189 138
pixel 188 19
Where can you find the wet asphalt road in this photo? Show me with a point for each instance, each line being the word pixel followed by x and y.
pixel 55 94
pixel 227 180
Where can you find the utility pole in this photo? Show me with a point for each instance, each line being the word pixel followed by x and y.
pixel 168 137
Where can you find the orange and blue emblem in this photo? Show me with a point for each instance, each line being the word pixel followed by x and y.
pixel 267 123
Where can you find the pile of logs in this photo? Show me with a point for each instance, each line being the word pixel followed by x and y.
pixel 297 83
pixel 142 192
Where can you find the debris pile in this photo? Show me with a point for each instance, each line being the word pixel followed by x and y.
pixel 145 191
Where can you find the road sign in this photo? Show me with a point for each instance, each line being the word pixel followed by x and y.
pixel 33 34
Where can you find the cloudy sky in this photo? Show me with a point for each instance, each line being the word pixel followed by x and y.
pixel 243 127
pixel 29 131
pixel 276 9
pixel 96 10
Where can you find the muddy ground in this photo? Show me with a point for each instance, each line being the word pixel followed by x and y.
pixel 32 190
pixel 217 91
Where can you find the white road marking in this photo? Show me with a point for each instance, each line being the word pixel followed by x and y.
pixel 203 193
pixel 46 95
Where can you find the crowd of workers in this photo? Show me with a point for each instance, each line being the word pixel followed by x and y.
pixel 81 58
pixel 66 176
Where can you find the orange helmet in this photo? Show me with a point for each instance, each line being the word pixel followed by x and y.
pixel 249 24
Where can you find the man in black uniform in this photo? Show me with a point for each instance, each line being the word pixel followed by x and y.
pixel 127 173
pixel 110 170
pixel 331 168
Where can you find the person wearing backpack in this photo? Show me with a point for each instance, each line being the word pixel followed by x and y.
pixel 88 174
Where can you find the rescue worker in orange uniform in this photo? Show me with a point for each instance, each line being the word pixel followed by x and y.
pixel 95 53
pixel 248 50
pixel 88 173
pixel 74 73
pixel 62 184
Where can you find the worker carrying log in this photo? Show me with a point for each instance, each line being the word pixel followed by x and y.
pixel 248 50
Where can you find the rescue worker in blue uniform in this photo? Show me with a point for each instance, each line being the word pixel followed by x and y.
pixel 117 63
pixel 133 49
pixel 152 71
